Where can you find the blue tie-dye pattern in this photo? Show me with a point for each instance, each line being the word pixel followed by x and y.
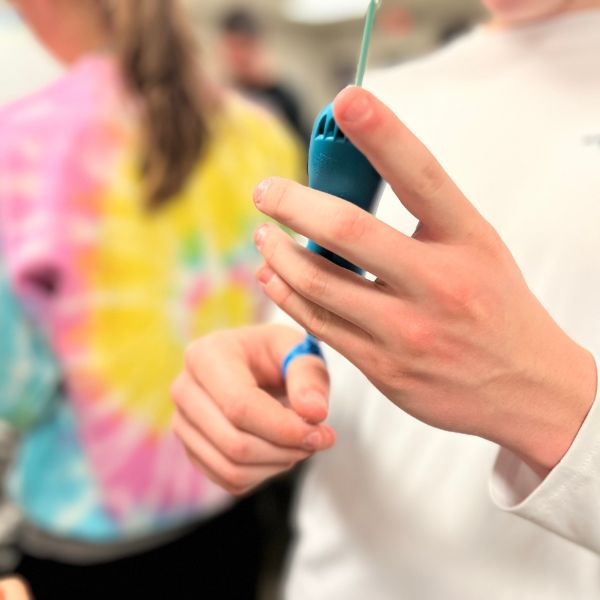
pixel 51 459
pixel 51 480
pixel 29 376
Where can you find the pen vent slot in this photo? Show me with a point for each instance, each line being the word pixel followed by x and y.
pixel 321 127
pixel 338 135
pixel 330 128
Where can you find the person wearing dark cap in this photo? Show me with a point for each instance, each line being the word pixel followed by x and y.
pixel 247 65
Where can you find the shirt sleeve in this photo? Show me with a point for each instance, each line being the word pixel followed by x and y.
pixel 29 375
pixel 567 501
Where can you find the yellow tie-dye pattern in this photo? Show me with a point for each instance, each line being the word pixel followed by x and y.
pixel 157 280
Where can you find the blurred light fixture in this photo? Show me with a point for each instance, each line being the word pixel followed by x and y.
pixel 324 11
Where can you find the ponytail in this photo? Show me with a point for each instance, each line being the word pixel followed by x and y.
pixel 158 58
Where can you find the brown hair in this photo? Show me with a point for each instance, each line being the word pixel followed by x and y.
pixel 157 52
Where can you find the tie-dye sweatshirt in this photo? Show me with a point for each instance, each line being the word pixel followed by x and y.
pixel 86 367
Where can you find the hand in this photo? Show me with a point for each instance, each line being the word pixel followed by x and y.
pixel 13 589
pixel 449 331
pixel 236 432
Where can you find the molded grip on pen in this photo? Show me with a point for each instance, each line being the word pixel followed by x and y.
pixel 337 167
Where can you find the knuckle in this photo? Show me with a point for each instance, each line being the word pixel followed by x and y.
pixel 431 179
pixel 238 450
pixel 238 492
pixel 464 301
pixel 289 432
pixel 295 458
pixel 388 370
pixel 178 431
pixel 482 308
pixel 455 296
pixel 316 323
pixel 313 283
pixel 195 460
pixel 271 245
pixel 277 196
pixel 177 390
pixel 235 478
pixel 289 466
pixel 349 224
pixel 183 399
pixel 452 289
pixel 280 293
pixel 419 336
pixel 236 411
pixel 198 352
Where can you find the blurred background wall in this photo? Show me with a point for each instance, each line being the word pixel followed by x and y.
pixel 312 44
pixel 24 65
pixel 315 43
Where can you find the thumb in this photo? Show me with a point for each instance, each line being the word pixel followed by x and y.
pixel 414 174
pixel 307 384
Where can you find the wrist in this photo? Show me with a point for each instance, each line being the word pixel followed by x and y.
pixel 554 402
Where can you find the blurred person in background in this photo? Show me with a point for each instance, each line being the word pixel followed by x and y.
pixel 24 64
pixel 481 331
pixel 125 230
pixel 248 67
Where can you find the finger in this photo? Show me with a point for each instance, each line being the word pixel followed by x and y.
pixel 308 388
pixel 354 343
pixel 238 446
pixel 233 388
pixel 236 479
pixel 337 290
pixel 13 589
pixel 343 228
pixel 407 165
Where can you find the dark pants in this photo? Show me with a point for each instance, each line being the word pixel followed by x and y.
pixel 220 560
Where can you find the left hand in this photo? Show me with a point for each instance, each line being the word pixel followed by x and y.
pixel 13 589
pixel 449 331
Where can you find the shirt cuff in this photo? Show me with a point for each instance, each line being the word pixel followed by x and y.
pixel 567 500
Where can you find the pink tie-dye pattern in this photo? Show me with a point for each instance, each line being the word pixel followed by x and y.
pixel 50 200
pixel 44 199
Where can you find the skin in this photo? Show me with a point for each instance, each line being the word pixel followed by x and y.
pixel 471 351
pixel 67 28
pixel 247 431
pixel 13 589
pixel 72 29
pixel 508 13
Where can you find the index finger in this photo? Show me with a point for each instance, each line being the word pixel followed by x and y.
pixel 236 392
pixel 342 228
pixel 414 174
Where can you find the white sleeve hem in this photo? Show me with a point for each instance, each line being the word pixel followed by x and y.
pixel 567 500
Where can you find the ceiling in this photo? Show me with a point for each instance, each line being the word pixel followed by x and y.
pixel 433 11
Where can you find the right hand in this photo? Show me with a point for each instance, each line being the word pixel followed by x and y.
pixel 239 421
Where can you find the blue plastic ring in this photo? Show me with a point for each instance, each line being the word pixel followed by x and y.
pixel 309 347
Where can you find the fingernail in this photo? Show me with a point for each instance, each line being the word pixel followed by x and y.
pixel 313 441
pixel 359 108
pixel 315 399
pixel 260 191
pixel 265 274
pixel 260 235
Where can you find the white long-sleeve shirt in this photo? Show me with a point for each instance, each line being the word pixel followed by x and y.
pixel 399 510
